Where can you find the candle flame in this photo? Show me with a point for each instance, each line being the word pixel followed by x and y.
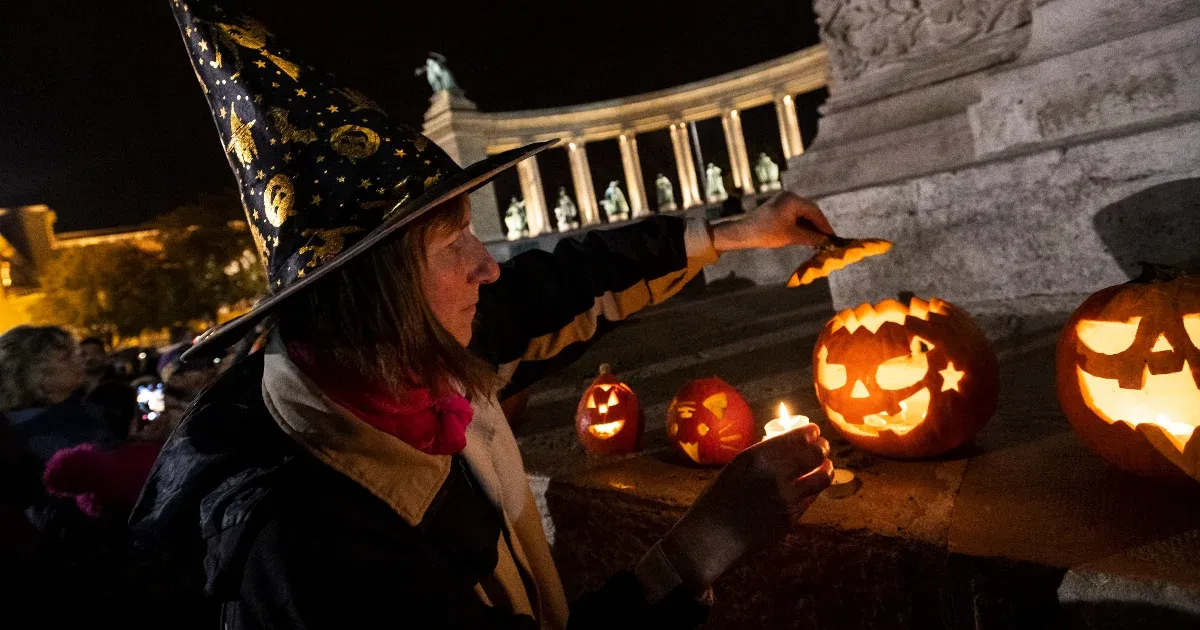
pixel 784 423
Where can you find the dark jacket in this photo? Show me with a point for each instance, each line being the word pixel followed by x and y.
pixel 279 538
pixel 117 402
pixel 48 430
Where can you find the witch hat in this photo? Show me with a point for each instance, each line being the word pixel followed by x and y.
pixel 323 174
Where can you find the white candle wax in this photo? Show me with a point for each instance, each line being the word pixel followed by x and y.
pixel 784 423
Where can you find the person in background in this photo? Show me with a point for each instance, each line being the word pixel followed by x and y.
pixel 22 561
pixel 115 398
pixel 66 486
pixel 95 362
pixel 40 370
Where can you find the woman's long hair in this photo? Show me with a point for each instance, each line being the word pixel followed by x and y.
pixel 25 352
pixel 371 318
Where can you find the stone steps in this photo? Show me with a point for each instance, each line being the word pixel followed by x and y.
pixel 1023 528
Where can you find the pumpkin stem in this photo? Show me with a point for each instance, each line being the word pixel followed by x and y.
pixel 605 369
pixel 1157 272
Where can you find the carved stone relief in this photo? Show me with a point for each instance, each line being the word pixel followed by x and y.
pixel 863 35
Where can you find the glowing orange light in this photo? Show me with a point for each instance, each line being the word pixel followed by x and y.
pixel 951 377
pixel 606 430
pixel 1108 337
pixel 1170 401
pixel 912 413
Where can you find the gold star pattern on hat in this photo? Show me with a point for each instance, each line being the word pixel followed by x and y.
pixel 241 141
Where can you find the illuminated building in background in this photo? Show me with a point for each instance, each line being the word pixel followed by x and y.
pixel 27 243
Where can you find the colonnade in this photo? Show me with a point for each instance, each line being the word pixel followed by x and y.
pixel 467 134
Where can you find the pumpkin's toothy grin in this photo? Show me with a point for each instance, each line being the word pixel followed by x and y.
pixel 912 413
pixel 692 449
pixel 1171 401
pixel 606 430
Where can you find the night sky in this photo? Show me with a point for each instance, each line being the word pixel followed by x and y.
pixel 102 119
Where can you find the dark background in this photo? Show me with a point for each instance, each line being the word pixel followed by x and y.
pixel 101 117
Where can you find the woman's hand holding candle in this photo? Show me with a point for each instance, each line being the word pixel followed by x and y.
pixel 750 504
pixel 844 483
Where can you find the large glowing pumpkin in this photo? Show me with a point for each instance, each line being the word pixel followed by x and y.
pixel 609 417
pixel 1128 368
pixel 710 422
pixel 905 381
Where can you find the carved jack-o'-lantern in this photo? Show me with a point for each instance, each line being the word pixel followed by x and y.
pixel 609 417
pixel 710 422
pixel 905 381
pixel 1128 369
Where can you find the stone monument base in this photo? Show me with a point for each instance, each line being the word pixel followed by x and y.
pixel 1041 231
pixel 1026 167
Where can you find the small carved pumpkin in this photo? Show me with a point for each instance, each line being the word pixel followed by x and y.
pixel 905 381
pixel 1128 367
pixel 609 417
pixel 710 422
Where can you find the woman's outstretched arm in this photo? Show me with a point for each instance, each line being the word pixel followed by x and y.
pixel 547 307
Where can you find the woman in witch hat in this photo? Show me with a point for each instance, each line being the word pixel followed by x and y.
pixel 359 470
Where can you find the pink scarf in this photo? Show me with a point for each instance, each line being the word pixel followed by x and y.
pixel 434 426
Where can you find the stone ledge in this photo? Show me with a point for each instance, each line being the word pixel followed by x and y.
pixel 1023 528
pixel 922 544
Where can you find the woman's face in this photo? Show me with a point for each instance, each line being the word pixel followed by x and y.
pixel 64 374
pixel 456 264
pixel 95 360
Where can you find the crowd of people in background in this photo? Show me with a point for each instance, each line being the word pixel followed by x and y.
pixel 80 429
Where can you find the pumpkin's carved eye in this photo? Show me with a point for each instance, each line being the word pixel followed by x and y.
pixel 1191 323
pixel 905 371
pixel 831 375
pixel 1108 337
pixel 716 404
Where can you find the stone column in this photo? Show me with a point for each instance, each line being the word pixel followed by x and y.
pixel 789 127
pixel 735 142
pixel 534 195
pixel 585 191
pixel 453 123
pixel 681 143
pixel 633 174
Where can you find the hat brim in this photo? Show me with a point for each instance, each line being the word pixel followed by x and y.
pixel 465 181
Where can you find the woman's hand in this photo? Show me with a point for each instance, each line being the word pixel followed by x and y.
pixel 750 505
pixel 773 224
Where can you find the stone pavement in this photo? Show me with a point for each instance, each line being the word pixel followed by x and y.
pixel 1023 528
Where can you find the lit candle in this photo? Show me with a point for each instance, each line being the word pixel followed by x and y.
pixel 844 482
pixel 784 423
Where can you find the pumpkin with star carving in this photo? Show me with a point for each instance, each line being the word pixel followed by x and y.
pixel 710 422
pixel 1128 368
pixel 905 380
pixel 608 419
